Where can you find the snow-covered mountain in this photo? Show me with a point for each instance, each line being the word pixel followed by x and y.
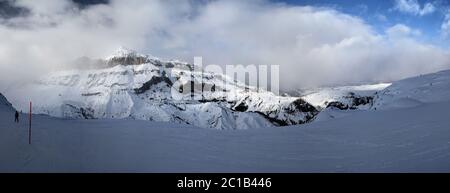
pixel 413 139
pixel 129 85
pixel 335 102
pixel 406 93
pixel 342 97
pixel 137 86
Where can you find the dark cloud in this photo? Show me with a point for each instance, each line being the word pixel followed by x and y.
pixel 86 3
pixel 9 10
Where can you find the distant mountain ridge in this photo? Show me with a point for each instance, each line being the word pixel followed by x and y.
pixel 142 87
pixel 138 86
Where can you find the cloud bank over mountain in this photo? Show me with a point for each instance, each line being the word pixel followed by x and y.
pixel 312 45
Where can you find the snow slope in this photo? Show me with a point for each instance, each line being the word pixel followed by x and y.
pixel 415 91
pixel 410 92
pixel 5 104
pixel 415 139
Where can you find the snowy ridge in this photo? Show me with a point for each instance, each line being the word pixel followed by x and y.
pixel 411 92
pixel 321 97
pixel 406 93
pixel 138 87
pixel 124 52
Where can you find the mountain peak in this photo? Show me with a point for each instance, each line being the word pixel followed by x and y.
pixel 126 56
pixel 122 52
pixel 125 50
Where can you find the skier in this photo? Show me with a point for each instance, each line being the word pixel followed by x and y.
pixel 16 117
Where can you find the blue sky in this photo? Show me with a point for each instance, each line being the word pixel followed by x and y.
pixel 382 14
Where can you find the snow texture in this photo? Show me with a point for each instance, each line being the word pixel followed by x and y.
pixel 413 139
pixel 404 128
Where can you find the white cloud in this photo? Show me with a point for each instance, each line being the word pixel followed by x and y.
pixel 311 45
pixel 402 31
pixel 413 7
pixel 445 27
pixel 381 17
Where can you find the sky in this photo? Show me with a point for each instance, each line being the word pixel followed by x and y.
pixel 424 15
pixel 315 42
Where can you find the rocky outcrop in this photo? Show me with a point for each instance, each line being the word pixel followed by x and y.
pixel 298 112
pixel 295 112
pixel 154 81
pixel 302 106
pixel 352 102
pixel 128 60
pixel 241 107
pixel 76 112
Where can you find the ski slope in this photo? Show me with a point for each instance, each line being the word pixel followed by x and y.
pixel 414 91
pixel 413 139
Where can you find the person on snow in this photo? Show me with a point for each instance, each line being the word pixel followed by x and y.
pixel 16 117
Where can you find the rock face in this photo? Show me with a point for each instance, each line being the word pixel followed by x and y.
pixel 125 56
pixel 136 86
pixel 152 82
pixel 127 60
pixel 284 113
pixel 351 102
pixel 74 111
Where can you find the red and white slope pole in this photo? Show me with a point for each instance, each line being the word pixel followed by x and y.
pixel 29 129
